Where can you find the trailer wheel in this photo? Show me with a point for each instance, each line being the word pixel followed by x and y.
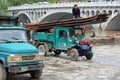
pixel 36 74
pixel 3 73
pixel 57 53
pixel 43 49
pixel 74 54
pixel 89 56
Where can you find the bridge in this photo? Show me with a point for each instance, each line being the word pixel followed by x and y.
pixel 60 11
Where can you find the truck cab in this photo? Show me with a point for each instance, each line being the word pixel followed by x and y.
pixel 16 54
pixel 66 37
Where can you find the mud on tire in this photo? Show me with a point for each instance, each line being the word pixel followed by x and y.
pixel 74 54
pixel 43 49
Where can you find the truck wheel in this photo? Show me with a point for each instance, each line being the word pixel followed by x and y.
pixel 68 52
pixel 36 74
pixel 74 54
pixel 3 73
pixel 89 56
pixel 57 53
pixel 42 48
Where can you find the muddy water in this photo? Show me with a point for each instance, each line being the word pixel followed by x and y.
pixel 105 65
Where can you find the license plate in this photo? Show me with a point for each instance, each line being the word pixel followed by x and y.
pixel 25 68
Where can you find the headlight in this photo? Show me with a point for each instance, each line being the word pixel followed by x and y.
pixel 14 59
pixel 39 57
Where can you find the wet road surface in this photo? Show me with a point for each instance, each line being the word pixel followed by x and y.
pixel 105 65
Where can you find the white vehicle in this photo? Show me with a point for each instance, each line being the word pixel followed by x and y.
pixel 42 3
pixel 25 4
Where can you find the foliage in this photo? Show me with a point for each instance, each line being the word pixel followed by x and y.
pixel 5 3
pixel 19 2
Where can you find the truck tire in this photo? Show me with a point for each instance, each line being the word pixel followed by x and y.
pixel 3 73
pixel 43 49
pixel 74 54
pixel 36 74
pixel 89 56
pixel 68 52
pixel 57 53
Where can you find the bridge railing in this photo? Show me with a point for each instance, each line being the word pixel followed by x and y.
pixel 65 4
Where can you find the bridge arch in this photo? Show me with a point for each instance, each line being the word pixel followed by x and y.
pixel 92 13
pixel 113 22
pixel 24 17
pixel 97 12
pixel 87 13
pixel 82 13
pixel 104 12
pixel 55 17
pixel 116 11
pixel 110 12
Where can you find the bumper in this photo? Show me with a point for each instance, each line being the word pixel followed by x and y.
pixel 18 69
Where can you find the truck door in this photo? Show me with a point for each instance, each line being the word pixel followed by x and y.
pixel 61 41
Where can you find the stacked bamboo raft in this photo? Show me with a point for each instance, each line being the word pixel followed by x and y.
pixel 66 23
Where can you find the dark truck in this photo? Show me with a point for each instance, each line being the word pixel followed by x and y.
pixel 16 54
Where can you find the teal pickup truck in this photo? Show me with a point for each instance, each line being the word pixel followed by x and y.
pixel 16 54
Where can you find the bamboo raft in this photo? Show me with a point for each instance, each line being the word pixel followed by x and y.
pixel 67 23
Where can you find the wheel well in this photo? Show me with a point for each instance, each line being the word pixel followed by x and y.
pixel 40 43
pixel 74 47
pixel 1 61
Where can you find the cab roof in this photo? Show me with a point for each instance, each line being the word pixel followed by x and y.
pixel 11 28
pixel 6 17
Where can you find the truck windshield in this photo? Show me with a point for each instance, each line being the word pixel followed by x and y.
pixel 10 22
pixel 12 36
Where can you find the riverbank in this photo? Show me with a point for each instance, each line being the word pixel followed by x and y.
pixel 105 40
